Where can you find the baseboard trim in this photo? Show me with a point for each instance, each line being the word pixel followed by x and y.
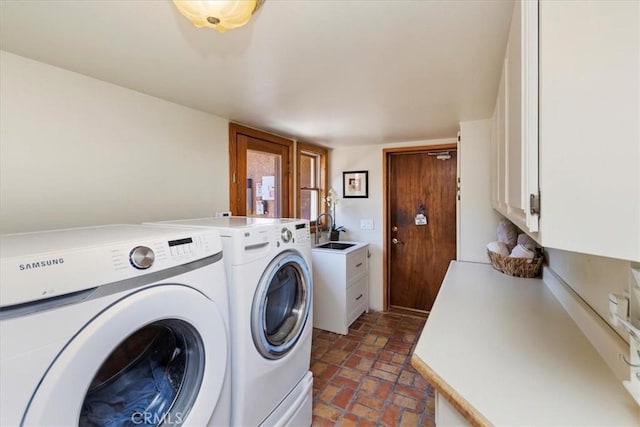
pixel 599 333
pixel 409 311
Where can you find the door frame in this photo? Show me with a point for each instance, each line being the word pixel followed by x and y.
pixel 386 239
pixel 235 170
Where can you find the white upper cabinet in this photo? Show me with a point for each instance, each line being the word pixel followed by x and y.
pixel 590 127
pixel 567 121
pixel 515 139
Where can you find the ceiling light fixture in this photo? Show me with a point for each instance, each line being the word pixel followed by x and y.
pixel 222 15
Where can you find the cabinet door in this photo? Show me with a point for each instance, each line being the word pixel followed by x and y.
pixel 529 115
pixel 521 114
pixel 515 141
pixel 590 127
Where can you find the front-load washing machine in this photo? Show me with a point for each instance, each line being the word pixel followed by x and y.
pixel 268 264
pixel 114 325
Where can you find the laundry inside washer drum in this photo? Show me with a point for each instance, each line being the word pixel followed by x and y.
pixel 139 381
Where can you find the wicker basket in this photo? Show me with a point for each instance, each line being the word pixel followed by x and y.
pixel 518 267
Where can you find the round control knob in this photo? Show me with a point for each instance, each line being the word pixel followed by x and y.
pixel 286 235
pixel 141 257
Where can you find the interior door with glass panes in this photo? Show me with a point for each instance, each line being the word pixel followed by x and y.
pixel 260 168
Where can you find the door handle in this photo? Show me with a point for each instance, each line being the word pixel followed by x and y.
pixel 396 241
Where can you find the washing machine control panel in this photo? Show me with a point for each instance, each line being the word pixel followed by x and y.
pixel 190 248
pixel 57 263
pixel 157 254
pixel 303 233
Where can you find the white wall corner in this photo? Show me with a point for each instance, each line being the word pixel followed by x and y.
pixel 477 221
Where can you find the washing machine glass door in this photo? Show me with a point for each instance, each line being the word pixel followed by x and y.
pixel 281 305
pixel 156 357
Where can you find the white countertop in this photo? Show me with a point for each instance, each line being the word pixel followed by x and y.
pixel 507 347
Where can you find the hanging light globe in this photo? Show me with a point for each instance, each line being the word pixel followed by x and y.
pixel 222 15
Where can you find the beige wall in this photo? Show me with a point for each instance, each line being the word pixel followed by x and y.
pixel 75 151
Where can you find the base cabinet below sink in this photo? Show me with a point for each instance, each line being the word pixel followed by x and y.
pixel 340 288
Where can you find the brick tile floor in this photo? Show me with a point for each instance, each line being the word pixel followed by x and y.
pixel 365 378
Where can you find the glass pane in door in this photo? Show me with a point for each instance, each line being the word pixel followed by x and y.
pixel 309 193
pixel 264 172
pixel 308 204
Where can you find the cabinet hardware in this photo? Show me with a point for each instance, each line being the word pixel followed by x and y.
pixel 624 359
pixel 358 265
pixel 359 296
pixel 534 204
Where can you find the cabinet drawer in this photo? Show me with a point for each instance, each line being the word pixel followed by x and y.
pixel 357 299
pixel 356 263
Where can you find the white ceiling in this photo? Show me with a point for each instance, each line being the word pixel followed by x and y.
pixel 330 72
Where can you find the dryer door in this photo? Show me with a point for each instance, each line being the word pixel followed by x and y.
pixel 281 305
pixel 144 360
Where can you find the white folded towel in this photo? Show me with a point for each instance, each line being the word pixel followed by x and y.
pixel 522 252
pixel 498 247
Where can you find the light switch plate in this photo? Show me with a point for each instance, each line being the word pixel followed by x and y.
pixel 366 224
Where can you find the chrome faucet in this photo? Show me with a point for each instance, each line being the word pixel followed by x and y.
pixel 331 224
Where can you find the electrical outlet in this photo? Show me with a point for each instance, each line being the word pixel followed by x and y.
pixel 221 214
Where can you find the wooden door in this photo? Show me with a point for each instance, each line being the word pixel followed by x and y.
pixel 258 160
pixel 420 183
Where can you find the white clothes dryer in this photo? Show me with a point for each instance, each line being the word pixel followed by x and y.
pixel 114 325
pixel 268 265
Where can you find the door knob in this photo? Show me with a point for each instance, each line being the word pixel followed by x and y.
pixel 396 241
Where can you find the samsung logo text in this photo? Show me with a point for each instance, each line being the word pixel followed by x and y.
pixel 41 264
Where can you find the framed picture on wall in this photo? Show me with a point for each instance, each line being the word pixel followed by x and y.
pixel 355 184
